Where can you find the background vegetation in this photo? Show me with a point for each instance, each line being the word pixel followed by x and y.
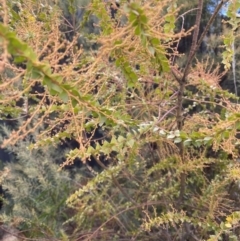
pixel 120 120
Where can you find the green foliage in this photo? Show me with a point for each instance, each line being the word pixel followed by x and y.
pixel 37 191
pixel 170 136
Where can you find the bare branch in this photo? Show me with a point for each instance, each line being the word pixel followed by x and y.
pixel 195 46
pixel 195 37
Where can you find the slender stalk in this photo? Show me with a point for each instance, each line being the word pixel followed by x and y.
pixel 195 45
pixel 182 83
pixel 183 79
pixel 194 40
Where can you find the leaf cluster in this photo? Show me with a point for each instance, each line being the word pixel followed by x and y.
pixel 170 135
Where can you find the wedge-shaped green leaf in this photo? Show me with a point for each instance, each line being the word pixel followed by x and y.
pixel 102 120
pixel 75 93
pixel 131 143
pixel 36 74
pixel 91 150
pixel 56 78
pixel 168 28
pixel 56 87
pixel 183 135
pixel 64 96
pixel 19 59
pixel 138 30
pixel 121 139
pixel 132 17
pixel 45 69
pixel 28 53
pixel 170 18
pixel 74 102
pixel 155 41
pixel 67 86
pixel 133 77
pixel 187 142
pixel 198 143
pixel 47 81
pixel 165 66
pixel 53 92
pixel 143 19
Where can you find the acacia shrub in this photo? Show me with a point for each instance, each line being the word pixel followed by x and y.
pixel 147 193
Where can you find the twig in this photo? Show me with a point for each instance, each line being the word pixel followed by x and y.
pixel 183 20
pixel 194 41
pixel 195 47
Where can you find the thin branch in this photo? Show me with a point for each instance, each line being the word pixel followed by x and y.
pixel 209 23
pixel 194 41
pixel 183 20
pixel 182 82
pixel 196 47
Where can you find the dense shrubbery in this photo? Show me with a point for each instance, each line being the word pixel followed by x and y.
pixel 168 145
